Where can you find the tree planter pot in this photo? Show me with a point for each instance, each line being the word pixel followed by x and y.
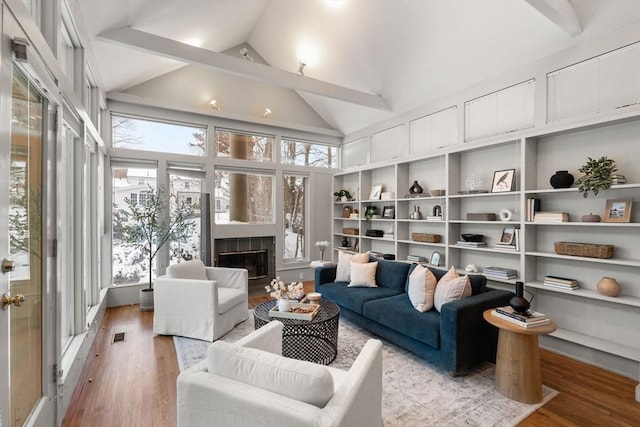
pixel 146 300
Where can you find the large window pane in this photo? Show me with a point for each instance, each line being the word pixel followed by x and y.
pixel 149 135
pixel 130 264
pixel 294 217
pixel 243 198
pixel 308 154
pixel 257 148
pixel 189 190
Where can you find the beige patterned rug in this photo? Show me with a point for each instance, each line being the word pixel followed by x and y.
pixel 414 392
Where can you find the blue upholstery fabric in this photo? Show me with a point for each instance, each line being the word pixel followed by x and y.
pixel 353 298
pixel 423 327
pixel 391 274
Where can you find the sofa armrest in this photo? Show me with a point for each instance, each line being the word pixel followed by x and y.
pixel 465 337
pixel 267 338
pixel 227 277
pixel 325 274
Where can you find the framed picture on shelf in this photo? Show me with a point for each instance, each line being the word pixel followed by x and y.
pixel 507 235
pixel 618 210
pixel 376 191
pixel 435 258
pixel 503 181
pixel 346 212
pixel 389 212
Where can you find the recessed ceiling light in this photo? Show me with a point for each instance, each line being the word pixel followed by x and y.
pixel 334 4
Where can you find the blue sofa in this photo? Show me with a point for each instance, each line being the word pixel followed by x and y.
pixel 455 340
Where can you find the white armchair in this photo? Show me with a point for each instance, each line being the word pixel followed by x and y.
pixel 200 302
pixel 249 383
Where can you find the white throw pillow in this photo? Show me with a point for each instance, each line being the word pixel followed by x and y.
pixel 422 286
pixel 344 264
pixel 300 380
pixel 193 269
pixel 363 275
pixel 451 287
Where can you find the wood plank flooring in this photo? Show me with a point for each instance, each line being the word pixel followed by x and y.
pixel 132 383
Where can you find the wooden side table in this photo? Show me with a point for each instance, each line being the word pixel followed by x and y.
pixel 518 375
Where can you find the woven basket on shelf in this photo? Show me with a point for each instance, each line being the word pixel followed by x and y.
pixel 589 250
pixel 426 238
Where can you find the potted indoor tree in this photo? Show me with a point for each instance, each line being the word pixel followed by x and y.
pixel 597 175
pixel 150 226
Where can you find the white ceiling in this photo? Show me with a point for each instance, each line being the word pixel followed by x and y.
pixel 409 52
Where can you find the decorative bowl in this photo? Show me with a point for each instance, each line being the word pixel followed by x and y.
pixel 314 296
pixel 472 237
pixel 437 193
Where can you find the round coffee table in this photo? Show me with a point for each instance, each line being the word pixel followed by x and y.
pixel 312 340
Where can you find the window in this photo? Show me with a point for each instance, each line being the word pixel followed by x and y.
pixel 67 44
pixel 134 197
pixel 164 137
pixel 130 264
pixel 308 154
pixel 234 145
pixel 243 197
pixel 142 199
pixel 294 187
pixel 186 186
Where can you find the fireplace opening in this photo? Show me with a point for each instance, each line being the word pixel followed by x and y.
pixel 255 261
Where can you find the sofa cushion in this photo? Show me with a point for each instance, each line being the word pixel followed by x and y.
pixel 300 380
pixel 397 313
pixel 363 275
pixel 353 298
pixel 229 298
pixel 392 274
pixel 343 272
pixel 478 281
pixel 193 269
pixel 422 286
pixel 451 287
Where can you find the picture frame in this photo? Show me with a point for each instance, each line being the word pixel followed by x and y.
pixel 618 210
pixel 508 234
pixel 346 211
pixel 375 193
pixel 389 212
pixel 503 181
pixel 435 258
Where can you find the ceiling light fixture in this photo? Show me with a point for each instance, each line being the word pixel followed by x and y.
pixel 245 53
pixel 301 68
pixel 267 113
pixel 214 104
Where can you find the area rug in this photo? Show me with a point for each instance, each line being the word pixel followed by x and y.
pixel 415 393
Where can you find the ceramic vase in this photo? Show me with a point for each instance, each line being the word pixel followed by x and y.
pixel 416 214
pixel 561 179
pixel 284 305
pixel 519 303
pixel 608 286
pixel 415 188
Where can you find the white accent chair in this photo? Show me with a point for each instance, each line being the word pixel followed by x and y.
pixel 249 383
pixel 200 302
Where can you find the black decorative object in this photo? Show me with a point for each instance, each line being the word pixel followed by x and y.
pixel 415 188
pixel 345 242
pixel 519 303
pixel 468 237
pixel 561 179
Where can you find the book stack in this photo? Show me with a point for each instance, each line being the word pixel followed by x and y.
pixel 416 258
pixel 533 206
pixel 471 244
pixel 551 217
pixel 528 319
pixel 514 245
pixel 500 273
pixel 389 236
pixel 434 218
pixel 561 283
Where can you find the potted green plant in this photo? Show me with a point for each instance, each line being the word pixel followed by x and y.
pixel 150 226
pixel 342 195
pixel 597 175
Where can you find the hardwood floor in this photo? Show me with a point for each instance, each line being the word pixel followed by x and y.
pixel 132 383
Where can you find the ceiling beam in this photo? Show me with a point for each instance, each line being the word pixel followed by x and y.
pixel 561 13
pixel 141 40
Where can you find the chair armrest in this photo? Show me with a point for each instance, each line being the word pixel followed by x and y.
pixel 227 277
pixel 325 274
pixel 267 338
pixel 358 402
pixel 465 336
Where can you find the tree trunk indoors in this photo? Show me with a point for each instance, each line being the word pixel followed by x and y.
pixel 133 382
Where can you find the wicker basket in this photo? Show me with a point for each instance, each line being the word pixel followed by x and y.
pixel 589 250
pixel 426 238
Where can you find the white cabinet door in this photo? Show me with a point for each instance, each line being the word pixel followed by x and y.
pixel 389 144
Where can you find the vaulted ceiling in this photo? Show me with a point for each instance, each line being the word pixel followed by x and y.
pixel 374 59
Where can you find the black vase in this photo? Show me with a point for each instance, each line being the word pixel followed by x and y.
pixel 415 188
pixel 561 179
pixel 519 303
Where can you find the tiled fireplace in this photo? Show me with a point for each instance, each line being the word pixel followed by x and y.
pixel 256 254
